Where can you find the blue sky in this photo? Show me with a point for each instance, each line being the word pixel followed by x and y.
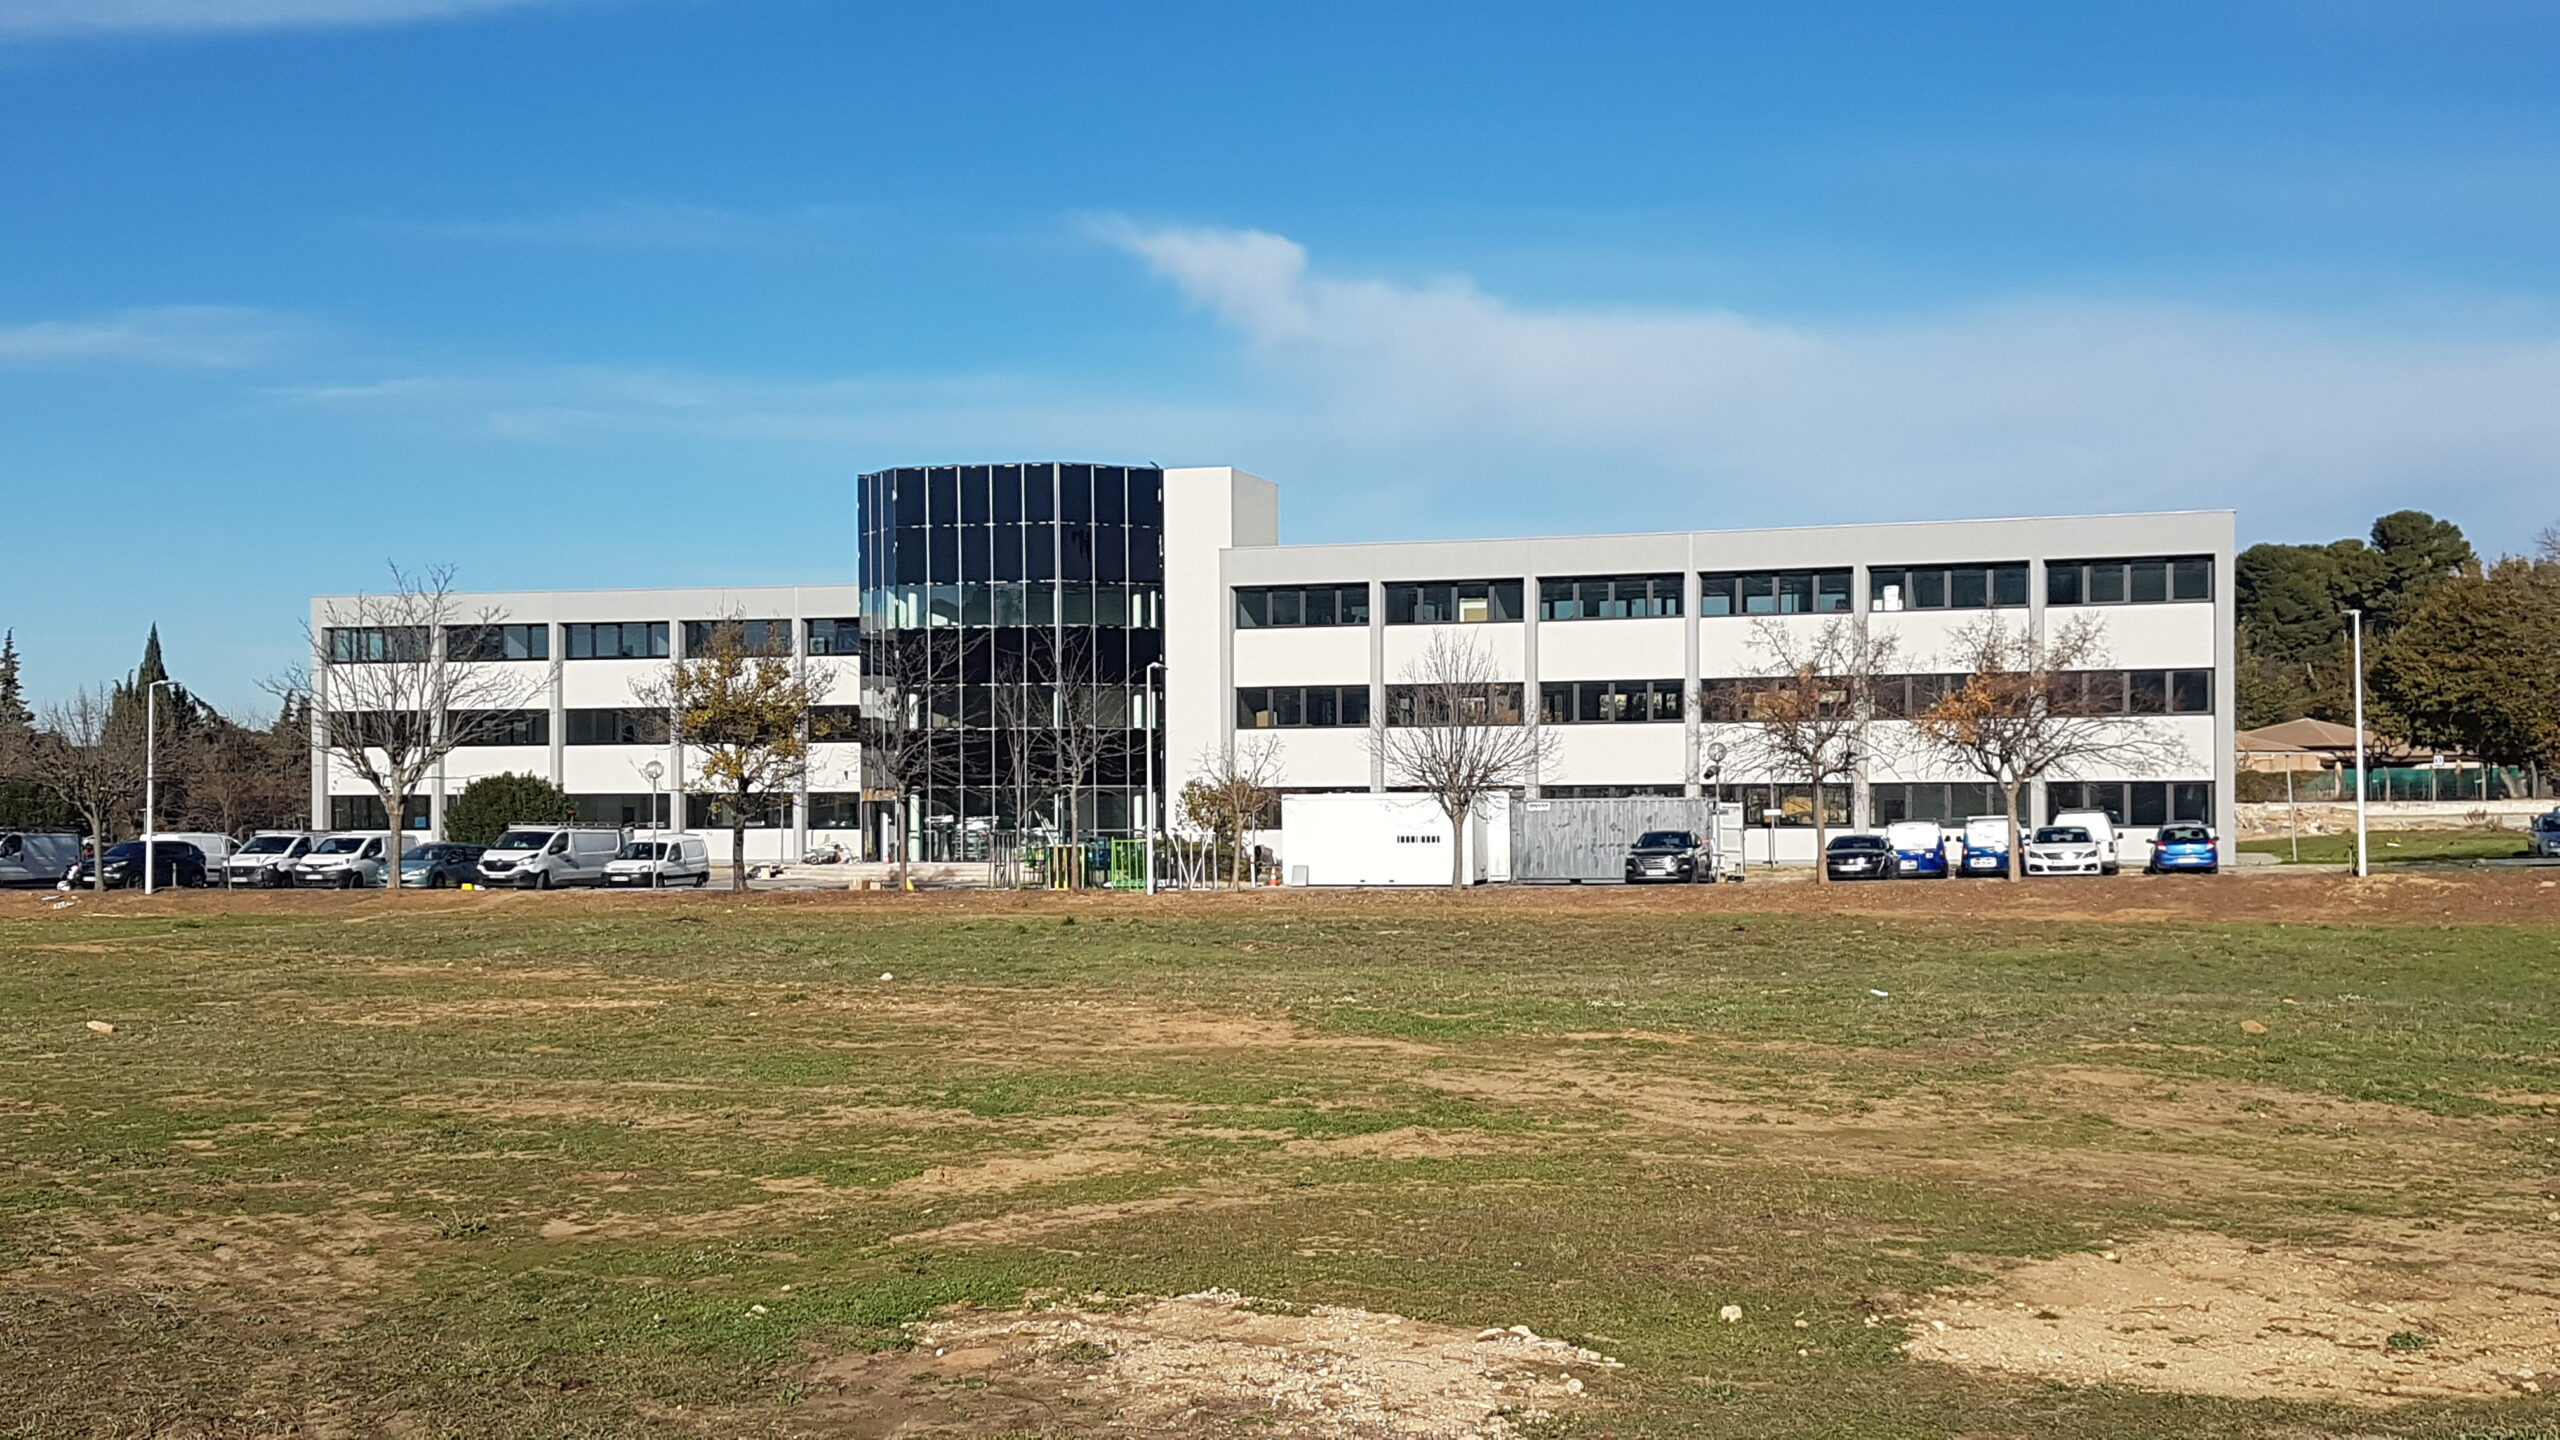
pixel 601 292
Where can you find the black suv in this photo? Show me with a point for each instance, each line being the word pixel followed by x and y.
pixel 177 864
pixel 1673 856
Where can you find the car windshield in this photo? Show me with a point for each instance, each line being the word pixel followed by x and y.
pixel 1857 842
pixel 2185 835
pixel 339 845
pixel 268 845
pixel 643 850
pixel 523 840
pixel 1664 840
pixel 2062 835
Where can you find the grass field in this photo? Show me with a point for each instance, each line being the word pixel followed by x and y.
pixel 519 1165
pixel 2395 846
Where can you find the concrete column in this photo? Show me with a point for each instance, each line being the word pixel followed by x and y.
pixel 1529 693
pixel 1861 806
pixel 320 701
pixel 1377 686
pixel 1693 739
pixel 559 707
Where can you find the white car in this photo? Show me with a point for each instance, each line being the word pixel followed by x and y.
pixel 2102 829
pixel 268 859
pixel 661 863
pixel 2065 850
pixel 351 860
pixel 545 857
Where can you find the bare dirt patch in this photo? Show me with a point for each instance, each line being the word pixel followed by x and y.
pixel 2384 1320
pixel 1214 1362
pixel 325 1267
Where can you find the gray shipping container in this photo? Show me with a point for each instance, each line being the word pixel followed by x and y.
pixel 1573 841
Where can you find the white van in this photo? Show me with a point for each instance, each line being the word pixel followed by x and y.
pixel 548 855
pixel 2101 828
pixel 268 859
pixel 349 860
pixel 660 862
pixel 216 848
pixel 37 857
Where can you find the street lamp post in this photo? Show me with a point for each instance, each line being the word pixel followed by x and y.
pixel 1714 754
pixel 1155 726
pixel 656 771
pixel 150 785
pixel 2364 867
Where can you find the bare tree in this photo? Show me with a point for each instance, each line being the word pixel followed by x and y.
pixel 2032 709
pixel 746 710
pixel 238 777
pixel 1091 726
pixel 899 756
pixel 1229 793
pixel 394 694
pixel 1455 731
pixel 90 757
pixel 1811 716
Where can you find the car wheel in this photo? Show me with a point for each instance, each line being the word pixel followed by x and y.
pixel 436 880
pixel 541 879
pixel 702 879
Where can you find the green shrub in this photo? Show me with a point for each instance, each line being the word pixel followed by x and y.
pixel 488 805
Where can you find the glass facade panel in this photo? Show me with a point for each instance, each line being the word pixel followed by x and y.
pixel 2129 582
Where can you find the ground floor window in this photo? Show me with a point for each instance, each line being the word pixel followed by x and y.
pixel 1793 804
pixel 2134 804
pixel 1606 792
pixel 835 809
pixel 1948 804
pixel 364 812
pixel 712 812
pixel 640 812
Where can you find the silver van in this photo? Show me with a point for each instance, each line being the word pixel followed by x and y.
pixel 546 856
pixel 267 860
pixel 37 857
pixel 348 860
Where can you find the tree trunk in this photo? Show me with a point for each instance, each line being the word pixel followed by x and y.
pixel 391 848
pixel 898 822
pixel 1821 871
pixel 1457 849
pixel 2017 840
pixel 98 847
pixel 738 842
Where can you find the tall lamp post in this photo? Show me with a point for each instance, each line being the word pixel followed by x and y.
pixel 656 771
pixel 1155 726
pixel 150 785
pixel 1714 754
pixel 2355 622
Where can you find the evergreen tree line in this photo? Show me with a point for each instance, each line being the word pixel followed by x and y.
pixel 2460 654
pixel 81 765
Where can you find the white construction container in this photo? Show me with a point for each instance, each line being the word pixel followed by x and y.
pixel 1391 839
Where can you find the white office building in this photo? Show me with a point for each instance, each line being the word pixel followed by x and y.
pixel 1168 595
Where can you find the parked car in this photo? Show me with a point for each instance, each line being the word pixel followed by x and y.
pixel 1859 857
pixel 1671 856
pixel 173 863
pixel 214 848
pixel 2065 850
pixel 37 857
pixel 349 860
pixel 267 860
pixel 2102 833
pixel 659 863
pixel 2544 838
pixel 545 857
pixel 1919 849
pixel 2185 847
pixel 1986 845
pixel 440 865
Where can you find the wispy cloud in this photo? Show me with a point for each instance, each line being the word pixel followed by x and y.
pixel 2040 406
pixel 647 227
pixel 185 336
pixel 102 17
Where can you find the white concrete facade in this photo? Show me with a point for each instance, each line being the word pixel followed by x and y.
pixel 612 775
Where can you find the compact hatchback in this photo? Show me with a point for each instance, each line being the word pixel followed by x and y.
pixel 2065 850
pixel 1859 857
pixel 440 866
pixel 2185 848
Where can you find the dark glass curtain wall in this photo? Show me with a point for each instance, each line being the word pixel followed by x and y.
pixel 1027 602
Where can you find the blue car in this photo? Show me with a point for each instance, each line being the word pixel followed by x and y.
pixel 1919 849
pixel 1986 845
pixel 2187 848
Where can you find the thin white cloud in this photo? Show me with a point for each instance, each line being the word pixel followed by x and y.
pixel 645 227
pixel 184 336
pixel 102 17
pixel 2043 406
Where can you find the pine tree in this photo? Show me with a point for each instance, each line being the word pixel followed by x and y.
pixel 15 717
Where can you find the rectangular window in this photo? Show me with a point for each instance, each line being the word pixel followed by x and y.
pixel 642 811
pixel 1576 702
pixel 497 642
pixel 499 727
pixel 2147 692
pixel 835 722
pixel 1301 707
pixel 1609 597
pixel 1454 602
pixel 1947 587
pixel 836 809
pixel 714 812
pixel 615 727
pixel 835 637
pixel 1301 605
pixel 1430 705
pixel 1793 805
pixel 755 637
pixel 1777 592
pixel 377 729
pixel 377 644
pixel 2143 581
pixel 364 812
pixel 2190 692
pixel 626 640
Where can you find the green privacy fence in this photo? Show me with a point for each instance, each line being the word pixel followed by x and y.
pixel 2402 783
